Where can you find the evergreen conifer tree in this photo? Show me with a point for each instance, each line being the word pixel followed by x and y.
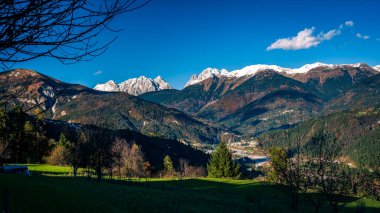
pixel 221 164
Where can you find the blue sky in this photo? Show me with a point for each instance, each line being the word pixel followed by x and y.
pixel 178 38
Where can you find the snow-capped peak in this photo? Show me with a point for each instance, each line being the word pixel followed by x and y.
pixel 109 86
pixel 162 84
pixel 359 65
pixel 135 86
pixel 307 67
pixel 253 69
pixel 377 68
pixel 205 74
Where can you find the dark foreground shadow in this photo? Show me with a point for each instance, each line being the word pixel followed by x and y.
pixel 41 193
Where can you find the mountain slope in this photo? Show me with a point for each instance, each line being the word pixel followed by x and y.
pixel 123 111
pixel 364 94
pixel 192 98
pixel 248 104
pixel 267 100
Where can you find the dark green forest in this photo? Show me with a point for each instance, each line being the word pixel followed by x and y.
pixel 354 132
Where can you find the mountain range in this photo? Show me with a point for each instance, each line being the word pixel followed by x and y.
pixel 213 106
pixel 253 69
pixel 260 98
pixel 142 84
pixel 216 105
pixel 135 86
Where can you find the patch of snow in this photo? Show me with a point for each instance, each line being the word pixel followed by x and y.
pixel 307 67
pixel 377 68
pixel 48 91
pixel 63 113
pixel 175 121
pixel 54 108
pixel 287 111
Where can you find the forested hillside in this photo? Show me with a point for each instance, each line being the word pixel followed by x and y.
pixel 24 138
pixel 356 132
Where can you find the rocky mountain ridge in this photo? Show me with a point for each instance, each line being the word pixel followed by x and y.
pixel 135 86
pixel 253 69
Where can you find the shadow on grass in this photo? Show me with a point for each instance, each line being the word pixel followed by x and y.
pixel 41 193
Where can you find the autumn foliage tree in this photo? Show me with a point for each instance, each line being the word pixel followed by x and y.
pixel 168 166
pixel 134 162
pixel 129 160
pixel 60 154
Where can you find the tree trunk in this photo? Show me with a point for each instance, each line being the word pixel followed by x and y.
pixel 99 169
pixel 75 169
pixel 5 208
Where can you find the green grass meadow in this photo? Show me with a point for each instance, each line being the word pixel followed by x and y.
pixel 51 189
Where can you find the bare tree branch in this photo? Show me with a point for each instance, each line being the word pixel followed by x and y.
pixel 62 29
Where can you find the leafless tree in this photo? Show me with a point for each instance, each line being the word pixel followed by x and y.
pixel 62 29
pixel 128 160
pixel 119 152
pixel 134 163
pixel 185 170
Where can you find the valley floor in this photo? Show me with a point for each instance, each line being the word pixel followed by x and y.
pixel 50 189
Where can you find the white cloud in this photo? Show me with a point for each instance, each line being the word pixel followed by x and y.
pixel 98 72
pixel 305 39
pixel 329 35
pixel 349 23
pixel 365 37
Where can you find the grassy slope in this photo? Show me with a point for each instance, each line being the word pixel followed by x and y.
pixel 41 193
